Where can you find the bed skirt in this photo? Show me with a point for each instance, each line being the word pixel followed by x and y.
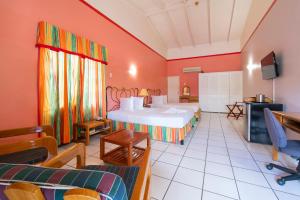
pixel 165 134
pixel 198 114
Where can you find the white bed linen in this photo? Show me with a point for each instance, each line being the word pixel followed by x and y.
pixel 165 117
pixel 194 106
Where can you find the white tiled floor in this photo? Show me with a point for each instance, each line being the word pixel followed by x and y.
pixel 215 163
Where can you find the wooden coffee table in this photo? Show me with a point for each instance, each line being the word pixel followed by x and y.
pixel 127 153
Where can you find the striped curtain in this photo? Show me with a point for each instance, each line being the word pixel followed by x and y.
pixel 57 39
pixel 71 90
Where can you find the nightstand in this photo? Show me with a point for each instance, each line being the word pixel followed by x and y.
pixel 92 127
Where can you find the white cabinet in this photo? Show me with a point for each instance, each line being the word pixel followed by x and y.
pixel 236 87
pixel 218 89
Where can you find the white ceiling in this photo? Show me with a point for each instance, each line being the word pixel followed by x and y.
pixel 180 28
pixel 182 23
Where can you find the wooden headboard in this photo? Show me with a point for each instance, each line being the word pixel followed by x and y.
pixel 113 95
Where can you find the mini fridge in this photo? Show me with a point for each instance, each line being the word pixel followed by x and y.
pixel 254 122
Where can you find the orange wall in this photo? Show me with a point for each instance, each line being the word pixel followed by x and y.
pixel 216 63
pixel 18 55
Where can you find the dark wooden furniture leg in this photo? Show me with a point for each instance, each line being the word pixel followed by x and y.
pixel 241 111
pixel 129 158
pixel 102 148
pixel 75 136
pixel 87 136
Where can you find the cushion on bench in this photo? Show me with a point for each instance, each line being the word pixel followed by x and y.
pixel 30 156
pixel 54 182
pixel 128 174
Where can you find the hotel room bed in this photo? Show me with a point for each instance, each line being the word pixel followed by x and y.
pixel 164 124
pixel 193 106
pixel 156 92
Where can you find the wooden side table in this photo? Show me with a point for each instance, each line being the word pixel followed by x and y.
pixel 188 99
pixel 127 153
pixel 106 123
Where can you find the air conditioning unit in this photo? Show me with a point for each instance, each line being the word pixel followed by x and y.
pixel 191 70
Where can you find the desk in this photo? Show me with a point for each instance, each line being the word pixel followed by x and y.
pixel 289 120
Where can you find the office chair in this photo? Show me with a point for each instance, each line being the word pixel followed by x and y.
pixel 281 143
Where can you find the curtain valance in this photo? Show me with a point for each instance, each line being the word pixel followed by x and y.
pixel 57 39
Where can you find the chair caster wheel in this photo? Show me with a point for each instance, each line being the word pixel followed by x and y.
pixel 281 181
pixel 269 166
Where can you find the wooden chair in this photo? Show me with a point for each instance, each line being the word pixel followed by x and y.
pixel 29 191
pixel 15 147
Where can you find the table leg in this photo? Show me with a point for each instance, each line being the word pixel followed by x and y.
pixel 129 159
pixel 75 136
pixel 148 141
pixel 110 126
pixel 240 113
pixel 102 148
pixel 231 109
pixel 274 154
pixel 87 136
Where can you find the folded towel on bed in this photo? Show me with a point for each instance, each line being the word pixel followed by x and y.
pixel 174 111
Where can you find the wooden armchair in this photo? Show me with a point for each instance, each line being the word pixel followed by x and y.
pixel 21 145
pixel 29 191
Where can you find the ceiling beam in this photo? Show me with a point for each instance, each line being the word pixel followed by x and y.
pixel 142 12
pixel 208 23
pixel 165 9
pixel 173 30
pixel 156 30
pixel 231 18
pixel 188 24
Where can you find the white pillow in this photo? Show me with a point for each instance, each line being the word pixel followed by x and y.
pixel 138 103
pixel 157 100
pixel 126 104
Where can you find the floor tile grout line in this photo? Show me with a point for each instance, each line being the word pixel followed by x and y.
pixel 237 188
pixel 179 163
pixel 256 163
pixel 238 134
pixel 213 174
pixel 203 180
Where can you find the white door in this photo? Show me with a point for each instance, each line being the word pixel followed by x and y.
pixel 173 89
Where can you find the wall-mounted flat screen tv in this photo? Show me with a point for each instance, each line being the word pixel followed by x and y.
pixel 269 66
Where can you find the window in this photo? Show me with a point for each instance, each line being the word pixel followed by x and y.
pixel 70 91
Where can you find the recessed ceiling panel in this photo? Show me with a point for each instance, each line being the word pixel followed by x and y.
pixel 144 5
pixel 198 17
pixel 220 17
pixel 239 17
pixel 180 23
pixel 162 23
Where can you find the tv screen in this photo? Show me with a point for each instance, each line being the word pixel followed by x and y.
pixel 269 67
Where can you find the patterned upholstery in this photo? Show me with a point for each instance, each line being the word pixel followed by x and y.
pixel 128 174
pixel 54 182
